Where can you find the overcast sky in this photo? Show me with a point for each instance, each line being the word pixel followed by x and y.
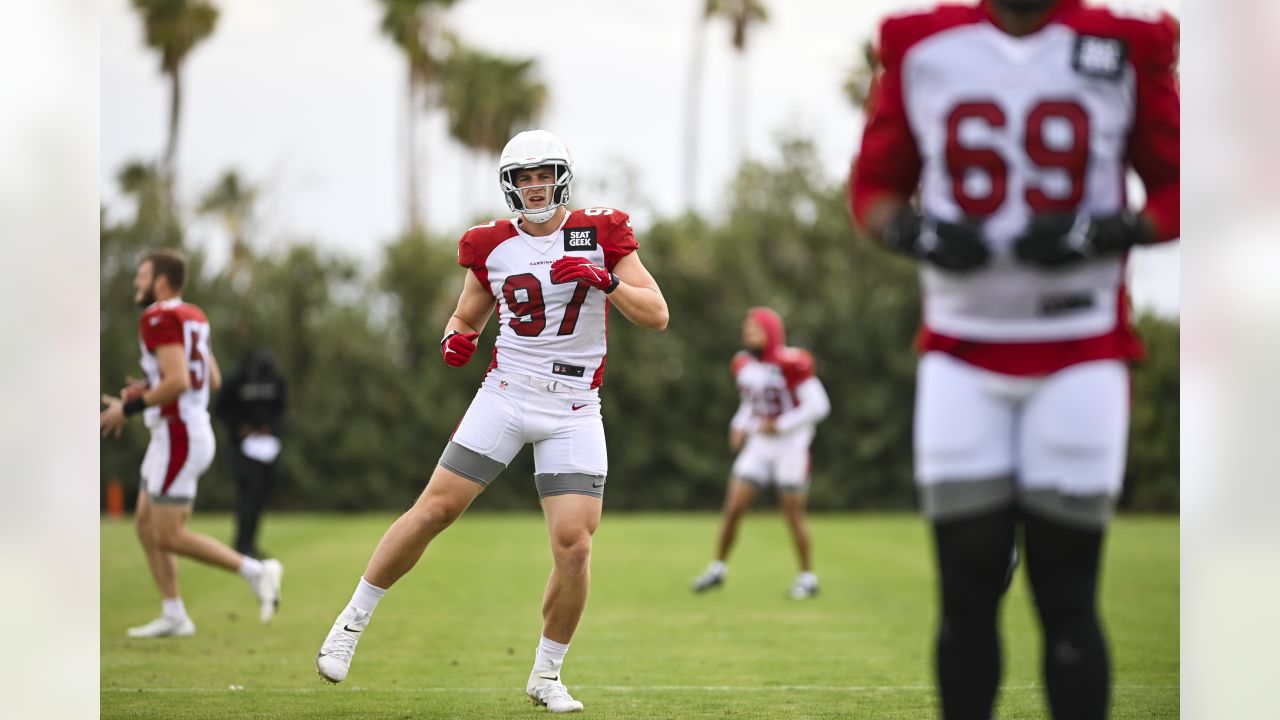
pixel 307 100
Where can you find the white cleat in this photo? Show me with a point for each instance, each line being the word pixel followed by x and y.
pixel 546 689
pixel 164 626
pixel 334 659
pixel 707 580
pixel 802 590
pixel 267 588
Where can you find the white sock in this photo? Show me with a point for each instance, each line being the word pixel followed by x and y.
pixel 366 596
pixel 250 569
pixel 807 579
pixel 173 608
pixel 550 656
pixel 718 567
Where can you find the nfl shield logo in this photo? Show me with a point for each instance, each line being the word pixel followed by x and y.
pixel 502 384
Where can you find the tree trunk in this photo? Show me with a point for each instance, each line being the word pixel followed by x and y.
pixel 692 110
pixel 411 132
pixel 171 147
pixel 740 124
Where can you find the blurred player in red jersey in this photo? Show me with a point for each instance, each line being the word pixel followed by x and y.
pixel 1017 122
pixel 180 370
pixel 782 402
pixel 552 274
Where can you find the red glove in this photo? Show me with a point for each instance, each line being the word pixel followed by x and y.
pixel 457 348
pixel 575 268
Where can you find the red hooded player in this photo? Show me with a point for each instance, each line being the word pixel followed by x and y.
pixel 782 402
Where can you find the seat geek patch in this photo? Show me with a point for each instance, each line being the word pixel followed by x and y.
pixel 579 239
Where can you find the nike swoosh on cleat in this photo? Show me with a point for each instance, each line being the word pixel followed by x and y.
pixel 553 678
pixel 348 629
pixel 579 407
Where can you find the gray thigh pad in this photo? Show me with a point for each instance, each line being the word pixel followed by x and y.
pixel 960 498
pixel 470 464
pixel 550 484
pixel 1086 511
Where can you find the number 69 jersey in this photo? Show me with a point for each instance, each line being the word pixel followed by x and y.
pixel 173 322
pixel 548 330
pixel 999 128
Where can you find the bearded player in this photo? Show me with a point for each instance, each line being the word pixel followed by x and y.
pixel 1017 122
pixel 781 403
pixel 180 370
pixel 552 274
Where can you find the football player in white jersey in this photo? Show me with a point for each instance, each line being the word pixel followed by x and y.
pixel 782 401
pixel 180 370
pixel 1017 122
pixel 552 274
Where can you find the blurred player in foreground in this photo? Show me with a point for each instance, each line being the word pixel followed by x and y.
pixel 1018 120
pixel 180 370
pixel 782 402
pixel 552 274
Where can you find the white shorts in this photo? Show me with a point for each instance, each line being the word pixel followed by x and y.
pixel 563 423
pixel 179 453
pixel 1054 444
pixel 779 459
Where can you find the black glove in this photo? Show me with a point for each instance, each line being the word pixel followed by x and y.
pixel 957 247
pixel 1058 239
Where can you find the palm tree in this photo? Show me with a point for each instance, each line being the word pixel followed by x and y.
pixel 860 82
pixel 232 201
pixel 488 98
pixel 742 16
pixel 415 27
pixel 174 28
pixel 693 97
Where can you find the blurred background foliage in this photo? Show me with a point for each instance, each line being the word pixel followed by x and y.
pixel 372 405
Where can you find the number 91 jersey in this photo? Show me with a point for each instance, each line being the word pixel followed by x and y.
pixel 553 331
pixel 1000 128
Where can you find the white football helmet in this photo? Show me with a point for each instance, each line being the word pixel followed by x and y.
pixel 531 149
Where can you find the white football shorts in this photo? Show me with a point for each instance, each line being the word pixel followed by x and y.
pixel 1054 444
pixel 179 453
pixel 778 459
pixel 563 423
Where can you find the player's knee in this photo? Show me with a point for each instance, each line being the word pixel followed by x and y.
pixel 572 547
pixel 434 516
pixel 165 537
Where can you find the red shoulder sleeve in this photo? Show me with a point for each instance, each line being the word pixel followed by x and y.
pixel 797 366
pixel 1153 146
pixel 617 239
pixel 740 360
pixel 160 327
pixel 478 242
pixel 1152 42
pixel 889 162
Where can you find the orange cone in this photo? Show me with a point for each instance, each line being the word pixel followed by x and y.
pixel 115 499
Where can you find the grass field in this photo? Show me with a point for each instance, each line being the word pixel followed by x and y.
pixel 455 638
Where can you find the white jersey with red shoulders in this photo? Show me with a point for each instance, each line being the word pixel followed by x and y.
pixel 548 330
pixel 998 127
pixel 173 322
pixel 783 389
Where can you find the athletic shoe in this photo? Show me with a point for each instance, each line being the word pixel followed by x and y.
pixel 802 590
pixel 334 659
pixel 1013 565
pixel 164 626
pixel 707 580
pixel 546 689
pixel 267 588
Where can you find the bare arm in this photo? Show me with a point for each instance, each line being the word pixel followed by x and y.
pixel 475 305
pixel 173 381
pixel 174 378
pixel 637 295
pixel 215 373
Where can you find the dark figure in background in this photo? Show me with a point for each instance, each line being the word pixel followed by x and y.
pixel 252 405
